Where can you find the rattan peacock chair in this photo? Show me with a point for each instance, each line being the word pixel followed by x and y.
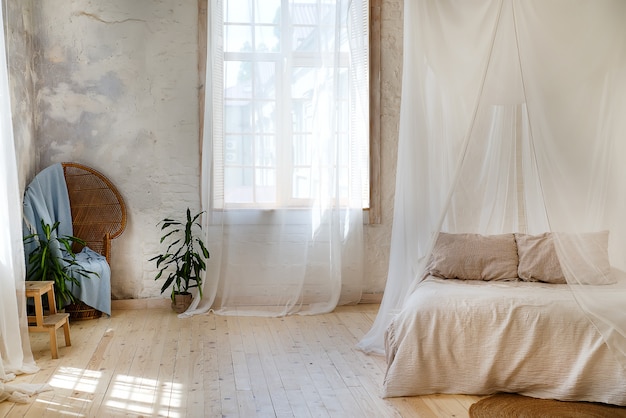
pixel 98 216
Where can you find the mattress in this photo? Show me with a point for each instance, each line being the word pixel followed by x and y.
pixel 477 337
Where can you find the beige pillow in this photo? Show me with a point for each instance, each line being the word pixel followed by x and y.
pixel 586 254
pixel 537 259
pixel 474 257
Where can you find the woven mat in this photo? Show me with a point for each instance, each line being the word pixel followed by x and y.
pixel 517 406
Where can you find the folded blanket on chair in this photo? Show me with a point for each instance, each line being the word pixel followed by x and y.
pixel 46 198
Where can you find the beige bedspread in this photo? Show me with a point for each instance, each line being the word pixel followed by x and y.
pixel 475 337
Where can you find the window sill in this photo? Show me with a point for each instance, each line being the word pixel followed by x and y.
pixel 268 216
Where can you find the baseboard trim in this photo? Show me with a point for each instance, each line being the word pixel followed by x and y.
pixel 371 298
pixel 137 304
pixel 161 303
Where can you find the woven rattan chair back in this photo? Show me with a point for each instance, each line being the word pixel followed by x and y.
pixel 98 209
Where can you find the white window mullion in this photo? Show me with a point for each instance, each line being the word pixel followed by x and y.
pixel 284 134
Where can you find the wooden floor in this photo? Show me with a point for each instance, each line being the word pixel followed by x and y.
pixel 147 362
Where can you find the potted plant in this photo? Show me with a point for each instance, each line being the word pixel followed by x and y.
pixel 47 261
pixel 183 260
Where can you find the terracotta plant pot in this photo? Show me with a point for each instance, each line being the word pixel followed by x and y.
pixel 181 302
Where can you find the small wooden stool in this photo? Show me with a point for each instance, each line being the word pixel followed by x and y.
pixel 49 323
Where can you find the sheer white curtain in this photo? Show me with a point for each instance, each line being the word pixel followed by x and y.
pixel 512 121
pixel 284 156
pixel 15 353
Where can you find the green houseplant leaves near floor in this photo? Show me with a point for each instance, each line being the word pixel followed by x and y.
pixel 45 264
pixel 184 259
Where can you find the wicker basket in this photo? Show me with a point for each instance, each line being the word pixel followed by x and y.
pixel 79 311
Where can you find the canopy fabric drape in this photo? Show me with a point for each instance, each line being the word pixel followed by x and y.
pixel 512 121
pixel 289 240
pixel 15 353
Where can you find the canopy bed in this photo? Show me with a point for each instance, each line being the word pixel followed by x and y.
pixel 495 314
pixel 507 258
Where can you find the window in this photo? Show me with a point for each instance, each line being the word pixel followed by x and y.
pixel 279 57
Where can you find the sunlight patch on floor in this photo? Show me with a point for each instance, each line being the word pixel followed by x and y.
pixel 135 394
pixel 128 393
pixel 59 409
pixel 76 379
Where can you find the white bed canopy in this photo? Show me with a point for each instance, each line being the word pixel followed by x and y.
pixel 513 119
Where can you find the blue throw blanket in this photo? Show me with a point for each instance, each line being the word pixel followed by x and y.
pixel 46 199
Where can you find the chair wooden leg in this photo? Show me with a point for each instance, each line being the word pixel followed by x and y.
pixel 53 343
pixel 66 331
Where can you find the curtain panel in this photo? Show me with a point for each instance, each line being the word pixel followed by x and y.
pixel 15 353
pixel 284 156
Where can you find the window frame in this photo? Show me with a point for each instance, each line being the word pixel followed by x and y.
pixel 374 211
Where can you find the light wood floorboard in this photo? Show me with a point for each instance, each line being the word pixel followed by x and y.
pixel 148 362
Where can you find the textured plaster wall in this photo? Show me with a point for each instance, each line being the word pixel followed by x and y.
pixel 378 237
pixel 117 89
pixel 18 35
